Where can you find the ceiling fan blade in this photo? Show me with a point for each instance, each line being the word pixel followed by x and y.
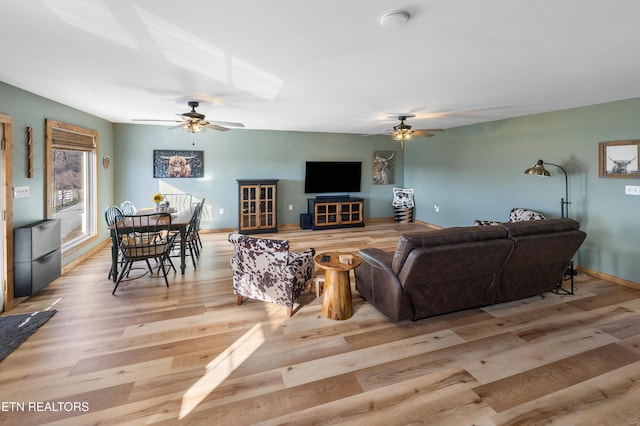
pixel 226 123
pixel 151 119
pixel 424 132
pixel 195 122
pixel 194 116
pixel 384 133
pixel 215 126
pixel 429 130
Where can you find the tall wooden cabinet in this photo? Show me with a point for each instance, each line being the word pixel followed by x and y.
pixel 258 202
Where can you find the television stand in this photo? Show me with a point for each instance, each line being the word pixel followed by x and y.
pixel 329 212
pixel 332 197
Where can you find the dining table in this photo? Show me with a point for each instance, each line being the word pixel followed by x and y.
pixel 179 222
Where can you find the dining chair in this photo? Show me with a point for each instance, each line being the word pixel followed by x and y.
pixel 144 238
pixel 191 236
pixel 179 201
pixel 110 214
pixel 201 208
pixel 128 207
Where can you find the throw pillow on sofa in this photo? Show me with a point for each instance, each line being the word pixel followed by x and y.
pixel 520 214
pixel 517 214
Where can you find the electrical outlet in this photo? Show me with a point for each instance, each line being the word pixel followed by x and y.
pixel 220 210
pixel 436 208
pixel 290 206
pixel 632 190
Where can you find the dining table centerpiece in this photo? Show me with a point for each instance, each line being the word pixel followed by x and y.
pixel 157 199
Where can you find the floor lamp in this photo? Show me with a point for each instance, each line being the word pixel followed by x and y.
pixel 539 170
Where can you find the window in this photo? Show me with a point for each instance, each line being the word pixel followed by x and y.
pixel 72 182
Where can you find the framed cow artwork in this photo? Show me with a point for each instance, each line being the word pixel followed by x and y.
pixel 384 166
pixel 178 164
pixel 619 159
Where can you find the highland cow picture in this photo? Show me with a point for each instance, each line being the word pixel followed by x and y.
pixel 178 164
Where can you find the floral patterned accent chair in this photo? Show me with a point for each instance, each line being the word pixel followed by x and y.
pixel 517 214
pixel 265 269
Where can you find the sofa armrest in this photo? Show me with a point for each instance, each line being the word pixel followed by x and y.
pixel 376 258
pixel 377 283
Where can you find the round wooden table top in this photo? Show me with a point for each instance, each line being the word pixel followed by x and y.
pixel 334 261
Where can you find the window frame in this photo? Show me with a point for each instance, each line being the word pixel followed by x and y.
pixel 60 135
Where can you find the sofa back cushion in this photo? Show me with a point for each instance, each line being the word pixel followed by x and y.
pixel 442 237
pixel 456 276
pixel 532 227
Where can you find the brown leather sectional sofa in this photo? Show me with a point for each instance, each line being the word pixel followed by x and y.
pixel 453 269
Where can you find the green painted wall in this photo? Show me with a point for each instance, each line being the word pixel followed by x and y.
pixel 27 109
pixel 477 172
pixel 245 154
pixel 471 172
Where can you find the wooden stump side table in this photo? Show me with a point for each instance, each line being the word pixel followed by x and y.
pixel 336 297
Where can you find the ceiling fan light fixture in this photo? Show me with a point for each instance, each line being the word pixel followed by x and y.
pixel 194 127
pixel 402 135
pixel 394 19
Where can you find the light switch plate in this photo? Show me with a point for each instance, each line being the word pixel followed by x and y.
pixel 20 191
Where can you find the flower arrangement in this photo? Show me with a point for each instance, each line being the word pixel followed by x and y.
pixel 157 198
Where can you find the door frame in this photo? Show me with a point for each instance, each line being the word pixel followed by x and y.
pixel 7 209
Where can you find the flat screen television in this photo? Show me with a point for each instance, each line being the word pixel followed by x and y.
pixel 322 177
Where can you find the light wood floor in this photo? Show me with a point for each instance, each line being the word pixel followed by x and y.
pixel 189 355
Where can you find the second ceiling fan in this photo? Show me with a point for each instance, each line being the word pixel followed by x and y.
pixel 195 122
pixel 403 132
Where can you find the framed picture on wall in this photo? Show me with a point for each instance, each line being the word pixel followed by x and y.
pixel 619 159
pixel 178 164
pixel 384 167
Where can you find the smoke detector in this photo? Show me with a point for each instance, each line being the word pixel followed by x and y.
pixel 394 19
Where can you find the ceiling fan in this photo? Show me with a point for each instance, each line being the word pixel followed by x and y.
pixel 402 132
pixel 195 122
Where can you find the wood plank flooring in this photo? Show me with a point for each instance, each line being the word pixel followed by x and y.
pixel 188 354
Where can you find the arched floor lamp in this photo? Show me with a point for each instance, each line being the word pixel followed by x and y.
pixel 539 170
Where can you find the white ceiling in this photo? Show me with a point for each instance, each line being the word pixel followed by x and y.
pixel 324 65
